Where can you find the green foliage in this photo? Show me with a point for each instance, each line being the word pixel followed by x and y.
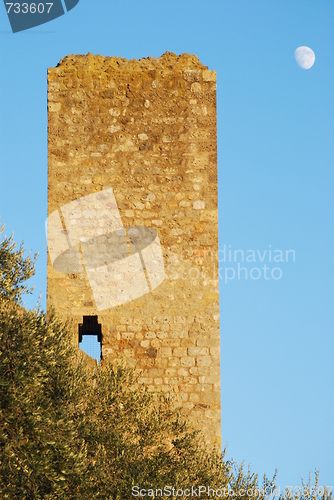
pixel 41 393
pixel 72 432
pixel 14 269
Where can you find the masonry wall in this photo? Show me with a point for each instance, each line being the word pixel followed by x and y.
pixel 146 129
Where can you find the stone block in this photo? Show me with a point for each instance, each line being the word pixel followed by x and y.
pixel 208 342
pixel 187 361
pixel 209 76
pixel 180 352
pixel 165 352
pixel 198 351
pixel 204 361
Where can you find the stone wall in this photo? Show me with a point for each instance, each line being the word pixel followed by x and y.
pixel 147 130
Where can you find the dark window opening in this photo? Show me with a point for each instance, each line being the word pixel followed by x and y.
pixel 90 337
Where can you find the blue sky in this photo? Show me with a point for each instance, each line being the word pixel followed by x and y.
pixel 276 183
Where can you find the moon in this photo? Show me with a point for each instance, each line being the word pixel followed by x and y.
pixel 305 57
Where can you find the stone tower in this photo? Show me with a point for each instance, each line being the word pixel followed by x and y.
pixel 133 220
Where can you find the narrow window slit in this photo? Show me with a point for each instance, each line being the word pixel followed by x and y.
pixel 90 337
